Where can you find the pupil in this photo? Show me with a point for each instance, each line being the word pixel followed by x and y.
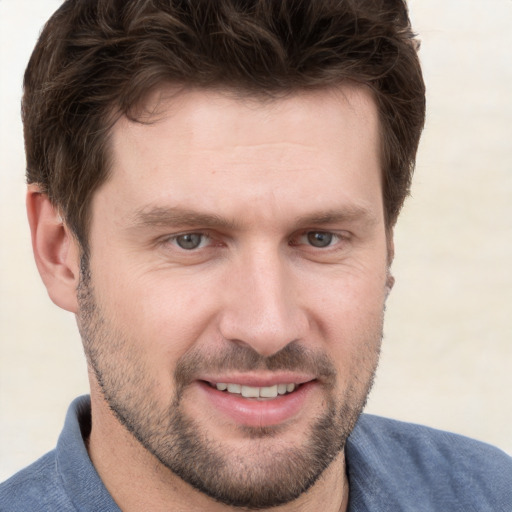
pixel 319 238
pixel 189 241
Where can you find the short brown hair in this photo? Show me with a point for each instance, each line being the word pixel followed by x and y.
pixel 96 60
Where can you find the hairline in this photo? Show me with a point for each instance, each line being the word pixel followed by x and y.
pixel 138 113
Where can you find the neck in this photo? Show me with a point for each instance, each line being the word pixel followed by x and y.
pixel 137 481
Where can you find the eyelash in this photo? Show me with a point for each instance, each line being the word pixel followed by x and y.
pixel 333 239
pixel 174 239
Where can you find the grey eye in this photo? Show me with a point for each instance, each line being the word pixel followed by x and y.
pixel 189 241
pixel 319 238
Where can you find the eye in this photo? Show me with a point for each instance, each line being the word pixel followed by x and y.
pixel 320 238
pixel 190 241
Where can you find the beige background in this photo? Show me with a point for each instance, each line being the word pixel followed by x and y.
pixel 448 345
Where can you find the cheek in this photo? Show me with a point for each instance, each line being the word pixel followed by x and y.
pixel 349 300
pixel 349 318
pixel 164 315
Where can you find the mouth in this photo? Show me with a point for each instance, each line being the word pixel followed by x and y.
pixel 262 392
pixel 258 402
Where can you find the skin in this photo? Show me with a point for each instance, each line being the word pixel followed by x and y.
pixel 257 180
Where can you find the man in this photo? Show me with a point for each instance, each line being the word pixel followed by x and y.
pixel 213 188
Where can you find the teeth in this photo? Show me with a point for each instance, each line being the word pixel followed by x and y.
pixel 256 392
pixel 268 392
pixel 234 388
pixel 250 392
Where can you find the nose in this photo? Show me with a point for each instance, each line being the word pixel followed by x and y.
pixel 262 307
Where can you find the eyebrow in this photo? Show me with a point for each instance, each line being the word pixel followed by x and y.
pixel 175 216
pixel 349 213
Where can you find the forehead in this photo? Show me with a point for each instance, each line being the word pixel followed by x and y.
pixel 207 147
pixel 243 112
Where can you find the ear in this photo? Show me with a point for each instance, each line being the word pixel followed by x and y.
pixel 56 250
pixel 390 279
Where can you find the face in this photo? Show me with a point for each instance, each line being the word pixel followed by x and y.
pixel 231 308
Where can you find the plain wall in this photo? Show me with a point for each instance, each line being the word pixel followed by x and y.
pixel 448 336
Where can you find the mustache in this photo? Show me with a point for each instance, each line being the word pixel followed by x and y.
pixel 292 357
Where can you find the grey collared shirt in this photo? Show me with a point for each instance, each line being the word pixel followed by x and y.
pixel 392 467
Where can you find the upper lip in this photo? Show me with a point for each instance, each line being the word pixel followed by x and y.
pixel 259 380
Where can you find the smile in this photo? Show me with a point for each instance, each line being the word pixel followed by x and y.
pixel 268 404
pixel 256 392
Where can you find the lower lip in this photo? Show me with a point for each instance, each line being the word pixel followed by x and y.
pixel 252 412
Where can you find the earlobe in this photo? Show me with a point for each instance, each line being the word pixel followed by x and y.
pixel 390 282
pixel 390 279
pixel 390 242
pixel 56 251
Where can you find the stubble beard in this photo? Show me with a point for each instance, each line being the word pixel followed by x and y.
pixel 265 475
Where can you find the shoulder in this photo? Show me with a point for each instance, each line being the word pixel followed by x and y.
pixel 418 442
pixel 436 470
pixel 35 488
pixel 64 480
